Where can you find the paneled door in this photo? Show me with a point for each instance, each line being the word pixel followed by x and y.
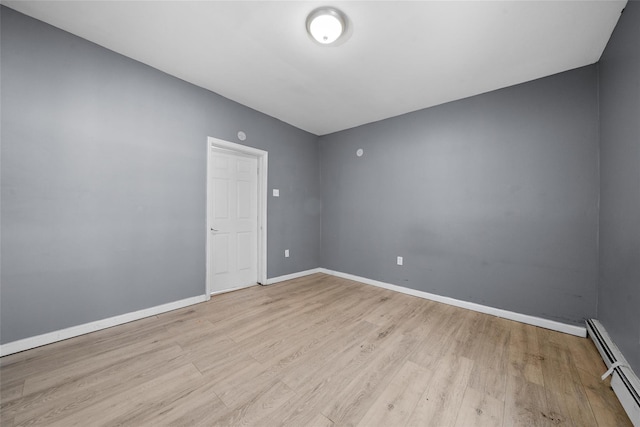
pixel 233 220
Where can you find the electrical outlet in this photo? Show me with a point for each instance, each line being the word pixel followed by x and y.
pixel 400 261
pixel 286 253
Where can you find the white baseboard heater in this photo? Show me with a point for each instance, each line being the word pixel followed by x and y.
pixel 624 381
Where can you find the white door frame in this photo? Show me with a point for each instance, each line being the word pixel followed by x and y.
pixel 263 162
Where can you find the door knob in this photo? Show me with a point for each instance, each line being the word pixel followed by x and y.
pixel 213 229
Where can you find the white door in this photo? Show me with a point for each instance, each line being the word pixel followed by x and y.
pixel 233 220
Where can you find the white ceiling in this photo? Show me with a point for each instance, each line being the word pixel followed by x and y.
pixel 400 56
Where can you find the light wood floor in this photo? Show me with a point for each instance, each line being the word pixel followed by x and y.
pixel 317 351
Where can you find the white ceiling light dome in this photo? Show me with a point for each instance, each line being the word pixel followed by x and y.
pixel 326 25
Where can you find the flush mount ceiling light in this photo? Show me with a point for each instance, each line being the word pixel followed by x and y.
pixel 326 25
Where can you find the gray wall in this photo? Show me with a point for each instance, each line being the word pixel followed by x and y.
pixel 619 290
pixel 491 199
pixel 103 182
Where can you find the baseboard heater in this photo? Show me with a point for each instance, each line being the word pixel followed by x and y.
pixel 624 381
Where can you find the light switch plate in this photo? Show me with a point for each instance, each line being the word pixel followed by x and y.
pixel 276 192
pixel 400 260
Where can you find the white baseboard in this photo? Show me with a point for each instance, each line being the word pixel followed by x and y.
pixel 74 331
pixel 518 317
pixel 293 275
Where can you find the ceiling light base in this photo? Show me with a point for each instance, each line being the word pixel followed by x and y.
pixel 327 25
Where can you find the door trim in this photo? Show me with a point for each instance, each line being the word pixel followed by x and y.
pixel 263 163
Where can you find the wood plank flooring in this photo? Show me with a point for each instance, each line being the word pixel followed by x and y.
pixel 315 351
